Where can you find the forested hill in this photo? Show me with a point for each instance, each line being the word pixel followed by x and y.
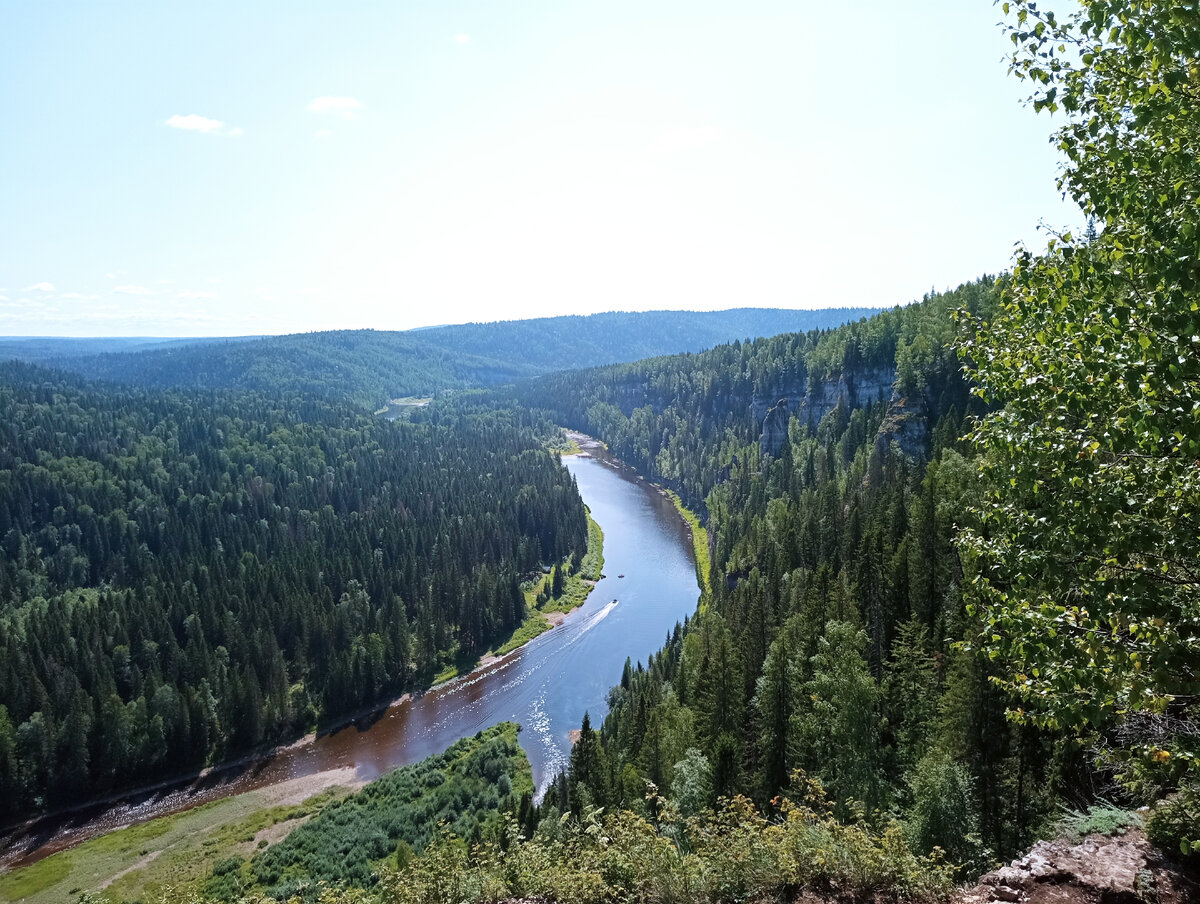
pixel 829 642
pixel 49 350
pixel 680 419
pixel 363 366
pixel 188 575
pixel 370 367
pixel 559 343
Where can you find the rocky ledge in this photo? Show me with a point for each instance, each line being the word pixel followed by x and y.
pixel 1122 869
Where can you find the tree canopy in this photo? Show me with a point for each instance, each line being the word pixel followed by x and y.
pixel 1088 555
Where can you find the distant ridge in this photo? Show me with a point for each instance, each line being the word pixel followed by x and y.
pixel 373 366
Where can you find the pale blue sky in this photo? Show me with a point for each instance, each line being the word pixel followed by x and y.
pixel 248 167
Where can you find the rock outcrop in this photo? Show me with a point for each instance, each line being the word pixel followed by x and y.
pixel 1121 869
pixel 775 428
pixel 762 402
pixel 853 389
pixel 907 425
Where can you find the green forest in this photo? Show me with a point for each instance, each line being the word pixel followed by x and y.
pixel 951 597
pixel 371 367
pixel 188 576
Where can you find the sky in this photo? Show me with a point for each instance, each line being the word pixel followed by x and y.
pixel 188 169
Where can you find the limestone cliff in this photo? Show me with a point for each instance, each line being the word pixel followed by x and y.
pixel 775 428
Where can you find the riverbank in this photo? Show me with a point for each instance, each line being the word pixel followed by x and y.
pixel 588 444
pixel 547 614
pixel 144 861
pixel 546 687
pixel 699 542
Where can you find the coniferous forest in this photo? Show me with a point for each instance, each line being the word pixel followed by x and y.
pixel 187 576
pixel 950 596
pixel 832 640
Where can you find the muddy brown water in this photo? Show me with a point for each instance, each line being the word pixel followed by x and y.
pixel 546 686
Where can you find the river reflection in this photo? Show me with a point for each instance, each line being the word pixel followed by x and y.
pixel 546 686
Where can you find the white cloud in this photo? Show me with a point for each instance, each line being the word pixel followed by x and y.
pixel 324 133
pixel 347 107
pixel 75 296
pixel 198 295
pixel 111 275
pixel 166 282
pixel 193 122
pixel 3 298
pixel 40 287
pixel 461 38
pixel 133 290
pixel 212 279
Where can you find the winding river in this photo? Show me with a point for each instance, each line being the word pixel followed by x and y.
pixel 545 686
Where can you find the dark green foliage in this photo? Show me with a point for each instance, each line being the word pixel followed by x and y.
pixel 464 789
pixel 944 811
pixel 682 419
pixel 828 642
pixel 1174 823
pixel 187 576
pixel 1085 561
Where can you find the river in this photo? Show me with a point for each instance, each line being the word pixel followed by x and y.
pixel 649 584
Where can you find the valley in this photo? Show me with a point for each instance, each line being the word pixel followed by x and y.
pixel 545 686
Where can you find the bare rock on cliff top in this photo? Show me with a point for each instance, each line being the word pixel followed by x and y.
pixel 1123 869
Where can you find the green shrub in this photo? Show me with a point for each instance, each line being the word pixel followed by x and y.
pixel 1174 823
pixel 1101 818
pixel 733 853
pixel 346 842
pixel 943 812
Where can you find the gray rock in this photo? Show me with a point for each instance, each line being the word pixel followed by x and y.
pixel 775 428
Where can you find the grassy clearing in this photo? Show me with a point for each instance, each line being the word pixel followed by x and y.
pixel 30 882
pixel 699 541
pixel 563 444
pixel 534 625
pixel 171 852
pixel 403 407
pixel 592 565
pixel 450 671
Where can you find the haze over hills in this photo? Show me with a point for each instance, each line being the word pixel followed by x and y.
pixel 618 337
pixel 372 366
pixel 48 349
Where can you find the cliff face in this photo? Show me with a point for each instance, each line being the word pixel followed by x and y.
pixel 762 402
pixel 907 425
pixel 854 389
pixel 775 428
pixel 851 389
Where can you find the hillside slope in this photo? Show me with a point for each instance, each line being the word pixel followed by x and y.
pixel 370 367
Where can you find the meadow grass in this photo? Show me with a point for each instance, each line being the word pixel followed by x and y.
pixel 171 852
pixel 534 625
pixel 699 541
